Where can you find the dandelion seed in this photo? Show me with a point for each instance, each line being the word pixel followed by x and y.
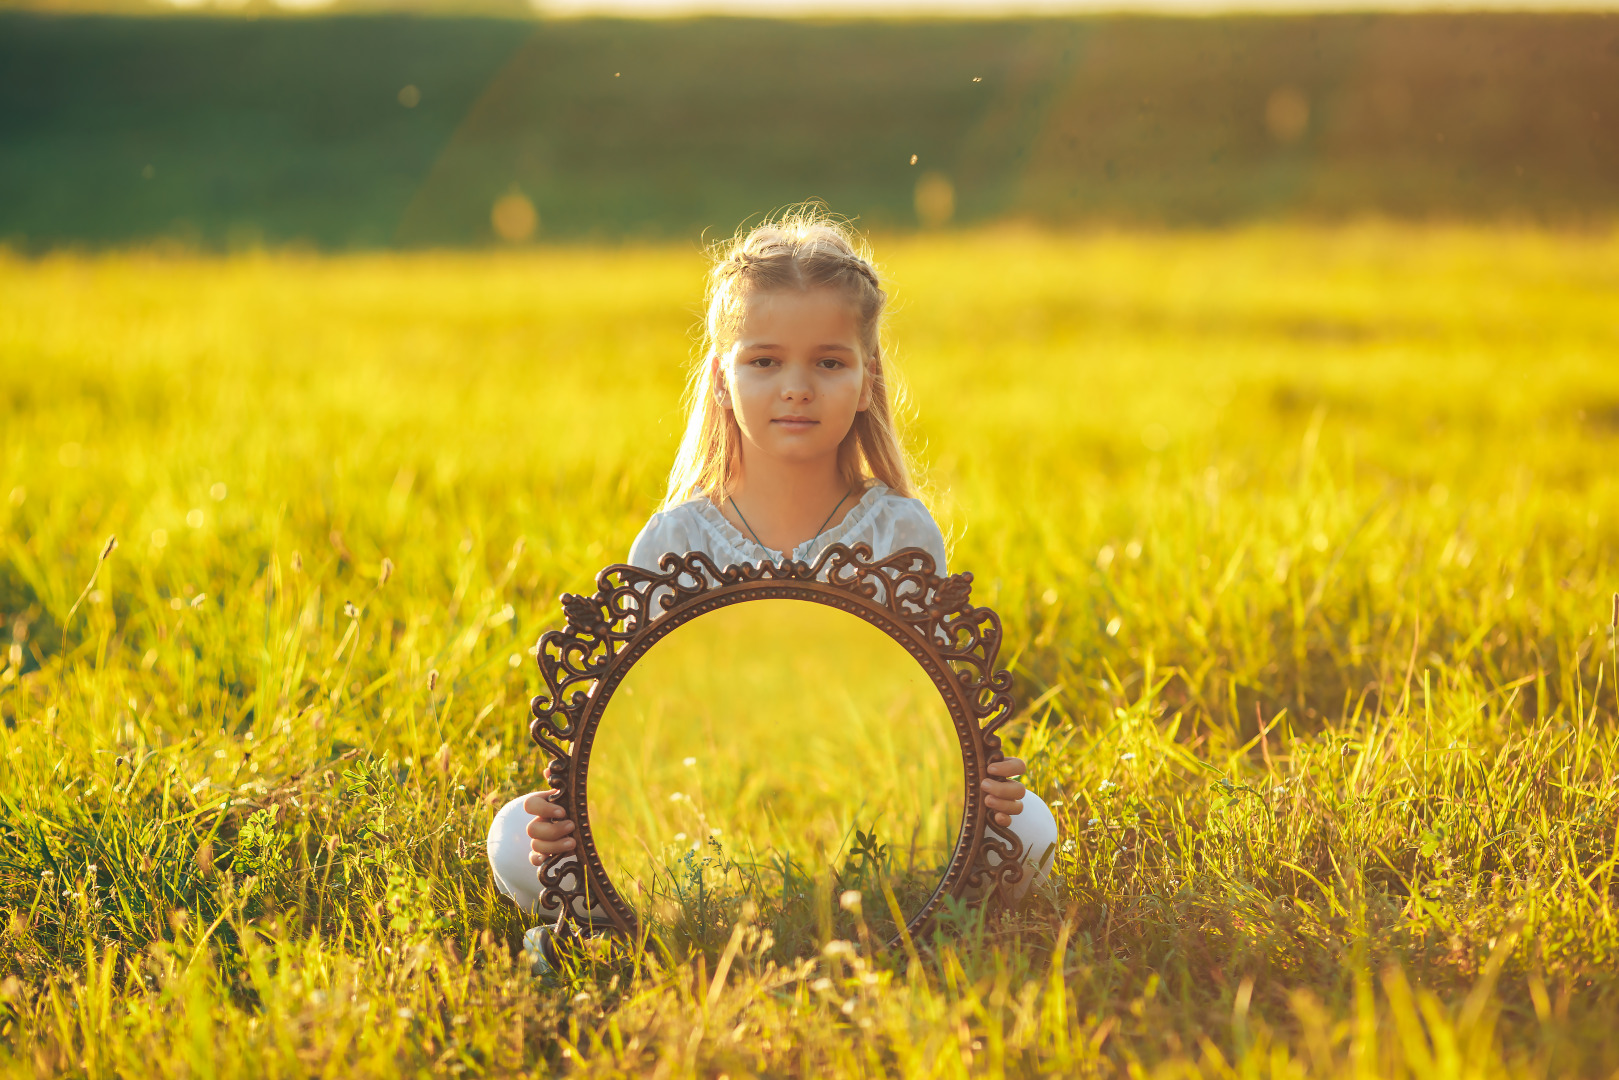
pixel 1127 757
pixel 849 901
pixel 978 78
pixel 405 1013
pixel 350 610
pixel 1114 625
pixel 675 796
pixel 199 600
pixel 680 837
pixel 716 832
pixel 688 762
pixel 386 572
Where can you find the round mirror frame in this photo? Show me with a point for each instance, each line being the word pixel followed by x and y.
pixel 634 608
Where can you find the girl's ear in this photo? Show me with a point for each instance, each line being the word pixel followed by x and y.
pixel 722 393
pixel 868 378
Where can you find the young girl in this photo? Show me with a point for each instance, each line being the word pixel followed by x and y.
pixel 789 447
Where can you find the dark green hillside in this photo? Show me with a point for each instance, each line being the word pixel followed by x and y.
pixel 234 130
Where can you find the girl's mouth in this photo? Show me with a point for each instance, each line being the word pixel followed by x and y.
pixel 795 423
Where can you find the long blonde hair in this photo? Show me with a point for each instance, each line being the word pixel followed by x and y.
pixel 804 248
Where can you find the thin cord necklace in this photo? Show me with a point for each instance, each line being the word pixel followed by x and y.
pixel 755 535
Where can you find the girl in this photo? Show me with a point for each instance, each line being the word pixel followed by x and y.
pixel 789 447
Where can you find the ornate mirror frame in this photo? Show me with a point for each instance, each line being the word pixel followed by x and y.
pixel 633 609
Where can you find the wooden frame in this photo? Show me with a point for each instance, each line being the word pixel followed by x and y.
pixel 634 608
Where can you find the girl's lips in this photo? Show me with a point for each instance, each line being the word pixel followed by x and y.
pixel 795 423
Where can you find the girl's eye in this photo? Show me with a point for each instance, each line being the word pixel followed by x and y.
pixel 831 362
pixel 762 361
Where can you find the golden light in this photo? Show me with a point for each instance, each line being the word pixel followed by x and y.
pixel 514 218
pixel 935 200
pixel 1287 114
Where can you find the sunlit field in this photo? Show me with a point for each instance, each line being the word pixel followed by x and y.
pixel 1304 540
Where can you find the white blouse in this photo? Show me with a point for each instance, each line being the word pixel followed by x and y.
pixel 885 521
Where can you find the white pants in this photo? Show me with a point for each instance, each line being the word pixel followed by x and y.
pixel 518 878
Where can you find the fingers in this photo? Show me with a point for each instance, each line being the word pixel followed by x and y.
pixel 1004 806
pixel 550 833
pixel 1004 798
pixel 1003 791
pixel 539 850
pixel 539 804
pixel 549 838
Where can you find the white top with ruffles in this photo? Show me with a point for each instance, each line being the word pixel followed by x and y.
pixel 885 521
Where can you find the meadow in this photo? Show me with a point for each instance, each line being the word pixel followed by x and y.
pixel 777 754
pixel 1304 538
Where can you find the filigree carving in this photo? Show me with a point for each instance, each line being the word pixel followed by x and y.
pixel 633 608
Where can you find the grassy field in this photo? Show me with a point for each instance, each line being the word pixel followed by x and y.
pixel 1304 540
pixel 775 753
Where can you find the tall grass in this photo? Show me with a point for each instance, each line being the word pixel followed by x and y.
pixel 1304 540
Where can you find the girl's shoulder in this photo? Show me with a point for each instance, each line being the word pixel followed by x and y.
pixel 887 522
pixel 679 528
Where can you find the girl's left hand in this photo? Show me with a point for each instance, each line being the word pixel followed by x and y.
pixel 1005 797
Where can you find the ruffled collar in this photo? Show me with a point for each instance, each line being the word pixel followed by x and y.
pixel 736 538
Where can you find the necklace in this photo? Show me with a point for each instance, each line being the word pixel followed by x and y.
pixel 755 535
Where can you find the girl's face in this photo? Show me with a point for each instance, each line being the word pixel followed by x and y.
pixel 796 376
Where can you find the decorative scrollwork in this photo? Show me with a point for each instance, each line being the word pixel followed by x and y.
pixel 932 617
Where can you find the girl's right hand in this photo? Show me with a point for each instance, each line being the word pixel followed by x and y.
pixel 550 833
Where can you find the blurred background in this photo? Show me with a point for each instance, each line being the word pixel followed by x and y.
pixel 358 126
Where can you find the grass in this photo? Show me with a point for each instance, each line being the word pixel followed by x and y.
pixel 777 754
pixel 1304 540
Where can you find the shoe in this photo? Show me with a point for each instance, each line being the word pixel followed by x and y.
pixel 535 948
